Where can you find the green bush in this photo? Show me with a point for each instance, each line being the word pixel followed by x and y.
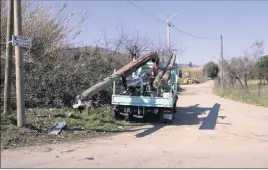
pixel 211 70
pixel 55 82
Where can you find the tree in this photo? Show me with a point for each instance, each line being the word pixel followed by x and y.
pixel 262 68
pixel 49 31
pixel 242 68
pixel 134 44
pixel 211 70
pixel 54 71
pixel 160 46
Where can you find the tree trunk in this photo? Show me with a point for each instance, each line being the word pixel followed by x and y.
pixel 240 82
pixel 246 81
pixel 259 88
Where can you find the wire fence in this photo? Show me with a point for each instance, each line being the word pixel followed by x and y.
pixel 257 92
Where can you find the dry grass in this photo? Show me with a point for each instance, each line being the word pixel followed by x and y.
pixel 194 72
pixel 88 124
pixel 256 95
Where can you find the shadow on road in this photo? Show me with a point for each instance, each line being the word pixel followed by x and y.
pixel 189 116
pixel 210 122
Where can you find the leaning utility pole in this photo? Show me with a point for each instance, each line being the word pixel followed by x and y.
pixel 221 65
pixel 19 66
pixel 8 67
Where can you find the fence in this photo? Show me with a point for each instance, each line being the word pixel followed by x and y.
pixel 257 92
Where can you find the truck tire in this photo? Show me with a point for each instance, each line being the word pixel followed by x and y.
pixel 145 118
pixel 161 116
pixel 114 114
pixel 128 117
pixel 167 121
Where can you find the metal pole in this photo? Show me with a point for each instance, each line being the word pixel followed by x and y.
pixel 8 67
pixel 19 67
pixel 221 65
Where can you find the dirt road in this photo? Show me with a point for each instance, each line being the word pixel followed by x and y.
pixel 208 132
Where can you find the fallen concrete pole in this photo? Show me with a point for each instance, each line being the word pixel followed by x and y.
pixel 123 72
pixel 156 82
pixel 166 76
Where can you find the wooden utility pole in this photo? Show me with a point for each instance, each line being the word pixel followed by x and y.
pixel 221 65
pixel 19 67
pixel 8 67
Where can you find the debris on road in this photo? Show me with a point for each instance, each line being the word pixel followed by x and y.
pixel 39 121
pixel 190 81
pixel 57 128
pixel 89 158
pixel 70 150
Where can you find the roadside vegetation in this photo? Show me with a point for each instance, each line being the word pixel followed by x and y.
pixel 246 77
pixel 89 123
pixel 192 75
pixel 200 74
pixel 58 68
pixel 257 93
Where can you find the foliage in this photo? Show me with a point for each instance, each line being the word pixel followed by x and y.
pixel 90 123
pixel 262 68
pixel 257 93
pixel 242 68
pixel 193 72
pixel 211 70
pixel 49 31
pixel 55 72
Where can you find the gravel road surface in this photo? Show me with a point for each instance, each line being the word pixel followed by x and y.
pixel 208 132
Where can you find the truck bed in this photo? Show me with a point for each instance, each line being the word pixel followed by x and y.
pixel 143 101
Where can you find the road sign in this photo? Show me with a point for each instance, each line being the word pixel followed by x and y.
pixel 21 41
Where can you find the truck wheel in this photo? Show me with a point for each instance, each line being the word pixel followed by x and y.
pixel 168 121
pixel 145 118
pixel 128 117
pixel 161 116
pixel 174 108
pixel 115 115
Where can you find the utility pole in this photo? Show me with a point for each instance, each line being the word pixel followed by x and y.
pixel 19 67
pixel 169 24
pixel 168 36
pixel 8 67
pixel 221 66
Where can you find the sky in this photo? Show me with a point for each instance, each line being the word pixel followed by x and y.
pixel 239 22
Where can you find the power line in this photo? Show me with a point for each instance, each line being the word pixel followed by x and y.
pixel 195 36
pixel 146 12
pixel 181 31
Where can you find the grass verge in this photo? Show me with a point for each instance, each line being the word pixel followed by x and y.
pixel 90 123
pixel 250 97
